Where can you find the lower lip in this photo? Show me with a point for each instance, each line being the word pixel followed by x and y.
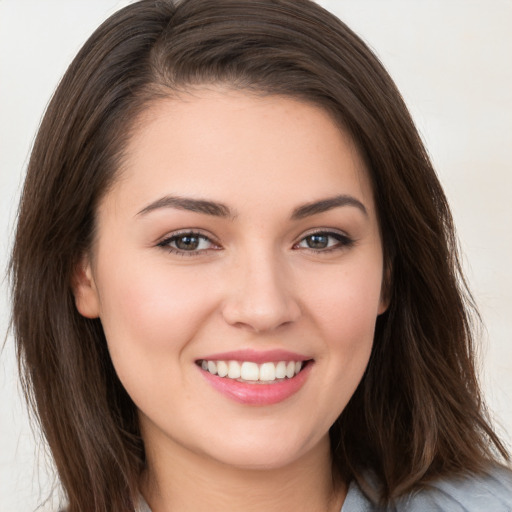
pixel 258 394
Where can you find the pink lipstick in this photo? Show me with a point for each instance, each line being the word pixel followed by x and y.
pixel 254 377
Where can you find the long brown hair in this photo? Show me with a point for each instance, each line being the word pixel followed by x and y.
pixel 417 414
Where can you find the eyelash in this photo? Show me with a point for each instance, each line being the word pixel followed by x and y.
pixel 342 242
pixel 165 244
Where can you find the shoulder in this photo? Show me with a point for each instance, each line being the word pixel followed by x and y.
pixel 473 493
pixel 492 491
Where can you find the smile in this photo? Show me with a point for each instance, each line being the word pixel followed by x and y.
pixel 254 383
pixel 251 372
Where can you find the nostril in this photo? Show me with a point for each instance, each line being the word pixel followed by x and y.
pixel 244 313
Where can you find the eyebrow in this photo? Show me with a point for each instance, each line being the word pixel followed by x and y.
pixel 217 209
pixel 189 204
pixel 325 205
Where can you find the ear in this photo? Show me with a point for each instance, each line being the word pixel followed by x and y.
pixel 84 289
pixel 385 292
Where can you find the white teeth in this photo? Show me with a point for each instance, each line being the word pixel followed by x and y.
pixel 268 371
pixel 281 370
pixel 222 368
pixel 234 370
pixel 212 367
pixel 250 371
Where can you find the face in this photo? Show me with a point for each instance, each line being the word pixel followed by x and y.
pixel 237 273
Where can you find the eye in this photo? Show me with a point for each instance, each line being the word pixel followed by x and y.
pixel 324 241
pixel 188 243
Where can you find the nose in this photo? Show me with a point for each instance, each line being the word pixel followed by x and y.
pixel 260 295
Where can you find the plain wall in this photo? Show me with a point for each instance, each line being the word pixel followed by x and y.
pixel 452 60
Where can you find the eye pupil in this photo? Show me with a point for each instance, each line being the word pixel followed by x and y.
pixel 187 242
pixel 317 241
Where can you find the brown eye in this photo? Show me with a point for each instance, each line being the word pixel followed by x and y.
pixel 187 242
pixel 324 241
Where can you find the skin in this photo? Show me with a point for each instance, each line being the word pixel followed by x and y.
pixel 253 283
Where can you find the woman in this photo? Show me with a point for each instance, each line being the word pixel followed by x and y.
pixel 235 279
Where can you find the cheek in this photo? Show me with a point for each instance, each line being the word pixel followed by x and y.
pixel 345 302
pixel 148 310
pixel 344 307
pixel 149 315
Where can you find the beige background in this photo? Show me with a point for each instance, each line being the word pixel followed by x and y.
pixel 452 60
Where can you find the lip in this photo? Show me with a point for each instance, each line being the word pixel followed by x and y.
pixel 255 356
pixel 261 393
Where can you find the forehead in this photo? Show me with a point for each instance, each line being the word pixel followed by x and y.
pixel 233 146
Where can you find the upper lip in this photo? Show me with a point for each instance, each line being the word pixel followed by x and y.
pixel 256 356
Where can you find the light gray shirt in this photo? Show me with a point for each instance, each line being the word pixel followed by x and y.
pixel 491 493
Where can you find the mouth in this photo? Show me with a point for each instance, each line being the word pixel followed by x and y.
pixel 251 372
pixel 252 383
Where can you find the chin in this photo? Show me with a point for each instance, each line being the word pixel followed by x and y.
pixel 263 454
pixel 258 460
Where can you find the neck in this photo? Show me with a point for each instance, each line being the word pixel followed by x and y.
pixel 177 480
